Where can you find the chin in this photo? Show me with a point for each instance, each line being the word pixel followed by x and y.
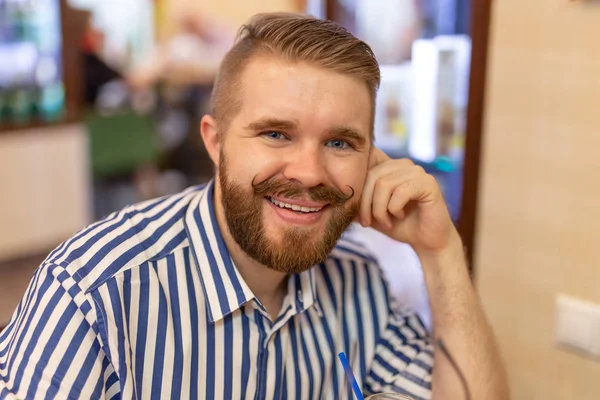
pixel 277 232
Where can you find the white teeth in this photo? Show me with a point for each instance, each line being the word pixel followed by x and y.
pixel 294 206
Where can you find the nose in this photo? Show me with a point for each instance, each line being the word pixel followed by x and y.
pixel 306 167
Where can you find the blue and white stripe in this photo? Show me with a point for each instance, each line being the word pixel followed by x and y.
pixel 147 304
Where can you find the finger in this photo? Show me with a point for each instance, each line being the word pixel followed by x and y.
pixel 394 193
pixel 400 168
pixel 384 188
pixel 379 227
pixel 398 201
pixel 379 170
pixel 422 189
pixel 377 157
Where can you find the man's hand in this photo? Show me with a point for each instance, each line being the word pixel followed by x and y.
pixel 404 202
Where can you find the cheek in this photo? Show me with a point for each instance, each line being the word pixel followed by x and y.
pixel 351 172
pixel 251 163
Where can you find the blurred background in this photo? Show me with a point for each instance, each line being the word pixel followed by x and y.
pixel 100 102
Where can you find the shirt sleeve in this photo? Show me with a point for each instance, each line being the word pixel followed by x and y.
pixel 403 361
pixel 50 348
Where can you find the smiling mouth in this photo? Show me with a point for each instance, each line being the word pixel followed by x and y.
pixel 294 207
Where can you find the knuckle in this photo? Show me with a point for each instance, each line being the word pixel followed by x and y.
pixel 407 186
pixel 431 179
pixel 406 162
pixel 381 185
pixel 400 190
pixel 420 170
pixel 399 196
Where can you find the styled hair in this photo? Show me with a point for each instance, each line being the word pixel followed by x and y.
pixel 293 38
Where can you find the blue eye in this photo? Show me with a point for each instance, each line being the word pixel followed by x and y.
pixel 338 144
pixel 274 135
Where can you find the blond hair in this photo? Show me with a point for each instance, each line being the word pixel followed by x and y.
pixel 294 38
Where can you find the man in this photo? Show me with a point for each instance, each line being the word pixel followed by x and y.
pixel 242 288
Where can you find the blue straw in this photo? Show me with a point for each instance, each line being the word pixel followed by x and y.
pixel 350 376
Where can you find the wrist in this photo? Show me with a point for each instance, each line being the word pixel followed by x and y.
pixel 450 253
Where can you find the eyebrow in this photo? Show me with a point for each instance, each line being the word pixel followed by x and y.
pixel 271 123
pixel 346 132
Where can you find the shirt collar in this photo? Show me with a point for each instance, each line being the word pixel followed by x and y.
pixel 224 288
pixel 302 290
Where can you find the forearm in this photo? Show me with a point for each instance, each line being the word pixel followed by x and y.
pixel 459 321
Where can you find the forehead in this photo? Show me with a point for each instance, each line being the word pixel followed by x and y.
pixel 303 93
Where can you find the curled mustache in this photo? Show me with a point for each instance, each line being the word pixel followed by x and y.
pixel 322 193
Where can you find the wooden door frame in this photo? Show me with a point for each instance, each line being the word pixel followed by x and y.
pixel 480 25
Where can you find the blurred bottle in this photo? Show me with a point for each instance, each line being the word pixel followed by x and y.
pixel 445 128
pixel 395 121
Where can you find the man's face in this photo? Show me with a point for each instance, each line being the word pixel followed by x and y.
pixel 293 162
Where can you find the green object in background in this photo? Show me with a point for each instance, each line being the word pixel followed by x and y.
pixel 51 100
pixel 121 143
pixel 3 106
pixel 444 164
pixel 20 106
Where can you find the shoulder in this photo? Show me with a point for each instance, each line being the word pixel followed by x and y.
pixel 125 239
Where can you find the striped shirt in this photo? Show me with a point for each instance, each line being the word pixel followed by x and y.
pixel 148 304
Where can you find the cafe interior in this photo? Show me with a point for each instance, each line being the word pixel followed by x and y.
pixel 100 104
